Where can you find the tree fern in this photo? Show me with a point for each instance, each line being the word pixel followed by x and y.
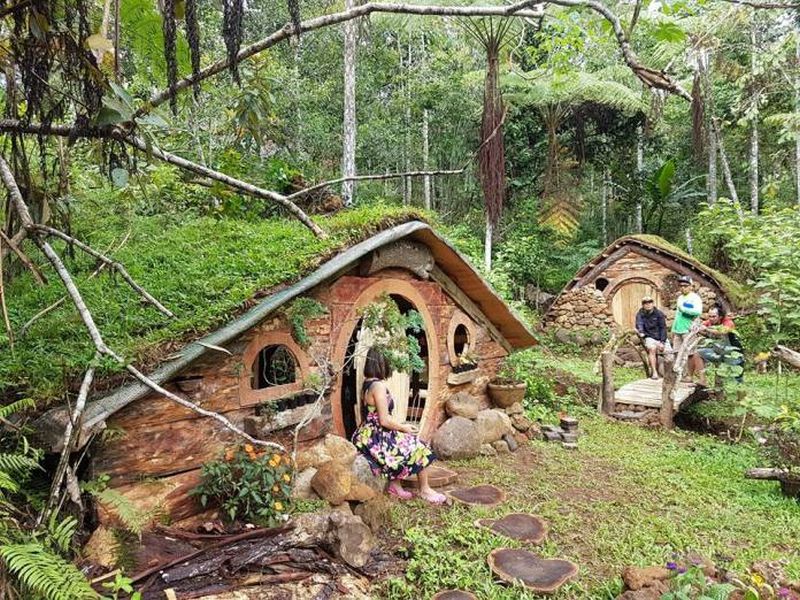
pixel 131 516
pixel 46 574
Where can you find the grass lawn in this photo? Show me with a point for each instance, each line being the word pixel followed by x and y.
pixel 628 495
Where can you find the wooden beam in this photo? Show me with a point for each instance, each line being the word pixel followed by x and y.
pixel 666 414
pixel 608 404
pixel 468 306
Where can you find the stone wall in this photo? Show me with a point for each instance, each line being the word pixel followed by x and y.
pixel 581 309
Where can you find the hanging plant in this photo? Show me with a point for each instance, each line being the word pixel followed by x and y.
pixel 393 333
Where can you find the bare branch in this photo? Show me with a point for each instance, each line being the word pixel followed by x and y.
pixel 112 264
pixel 71 431
pixel 3 306
pixel 769 5
pixel 37 273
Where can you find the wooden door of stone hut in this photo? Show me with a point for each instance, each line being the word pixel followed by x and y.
pixel 627 300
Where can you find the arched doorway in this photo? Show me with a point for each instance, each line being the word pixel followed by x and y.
pixel 626 300
pixel 413 392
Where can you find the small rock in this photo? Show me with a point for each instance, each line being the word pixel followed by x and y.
pixel 488 450
pixel 521 438
pixel 493 424
pixel 597 339
pixel 636 578
pixel 551 436
pixel 332 482
pixel 579 339
pixel 376 513
pixel 651 593
pixel 312 456
pixel 515 409
pixel 301 489
pixel 102 547
pixel 353 540
pixel 463 405
pixel 563 336
pixel 569 438
pixel 521 422
pixel 501 447
pixel 511 442
pixel 316 428
pixel 569 445
pixel 458 437
pixel 553 428
pixel 360 492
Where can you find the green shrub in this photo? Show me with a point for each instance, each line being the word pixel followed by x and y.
pixel 248 484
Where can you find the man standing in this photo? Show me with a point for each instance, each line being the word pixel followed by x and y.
pixel 651 325
pixel 688 308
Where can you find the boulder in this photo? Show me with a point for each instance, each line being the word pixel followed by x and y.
pixel 493 424
pixel 463 405
pixel 362 473
pixel 501 447
pixel 376 513
pixel 515 409
pixel 352 539
pixel 521 422
pixel 312 456
pixel 458 437
pixel 340 449
pixel 360 492
pixel 488 450
pixel 562 336
pixel 332 482
pixel 301 490
pixel 636 578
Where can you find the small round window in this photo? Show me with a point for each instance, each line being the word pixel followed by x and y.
pixel 461 340
pixel 275 365
pixel 601 283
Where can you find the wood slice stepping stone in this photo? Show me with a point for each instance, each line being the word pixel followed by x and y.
pixel 541 575
pixel 517 526
pixel 483 495
pixel 454 595
pixel 438 477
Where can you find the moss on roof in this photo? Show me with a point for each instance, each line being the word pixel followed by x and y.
pixel 740 295
pixel 201 268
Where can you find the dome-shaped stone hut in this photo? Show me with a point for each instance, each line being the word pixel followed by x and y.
pixel 607 291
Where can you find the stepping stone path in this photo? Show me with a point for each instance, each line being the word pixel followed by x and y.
pixel 454 595
pixel 512 565
pixel 517 526
pixel 438 477
pixel 542 575
pixel 484 495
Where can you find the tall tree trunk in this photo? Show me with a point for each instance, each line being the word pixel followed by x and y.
pixel 711 182
pixel 708 125
pixel 426 180
pixel 407 181
pixel 604 196
pixel 349 137
pixel 797 109
pixel 753 156
pixel 487 244
pixel 639 170
pixel 726 167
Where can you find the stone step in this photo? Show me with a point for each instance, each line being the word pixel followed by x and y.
pixel 438 477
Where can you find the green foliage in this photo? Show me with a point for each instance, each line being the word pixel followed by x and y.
pixel 122 584
pixel 248 485
pixel 299 312
pixel 393 333
pixel 693 584
pixel 45 574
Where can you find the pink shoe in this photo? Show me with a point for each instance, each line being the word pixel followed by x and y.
pixel 434 498
pixel 398 492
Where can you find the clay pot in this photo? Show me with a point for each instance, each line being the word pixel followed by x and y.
pixel 504 395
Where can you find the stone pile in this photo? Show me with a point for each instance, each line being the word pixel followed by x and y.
pixel 471 431
pixel 566 432
pixel 583 308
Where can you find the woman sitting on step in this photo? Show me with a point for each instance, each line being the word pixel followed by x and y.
pixel 390 447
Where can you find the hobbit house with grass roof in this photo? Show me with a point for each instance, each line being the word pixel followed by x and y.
pixel 263 376
pixel 606 293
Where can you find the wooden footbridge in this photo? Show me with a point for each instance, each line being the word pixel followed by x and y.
pixel 667 394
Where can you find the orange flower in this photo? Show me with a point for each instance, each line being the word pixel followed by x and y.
pixel 276 458
pixel 249 449
pixel 229 455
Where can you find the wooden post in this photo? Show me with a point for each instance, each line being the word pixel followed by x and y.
pixel 667 386
pixel 607 404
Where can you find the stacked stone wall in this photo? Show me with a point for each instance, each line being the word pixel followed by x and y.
pixel 584 309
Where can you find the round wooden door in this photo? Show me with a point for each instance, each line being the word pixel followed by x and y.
pixel 627 301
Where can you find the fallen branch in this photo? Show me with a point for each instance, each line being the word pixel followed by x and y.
pixel 767 474
pixel 35 271
pixel 787 355
pixel 112 264
pixel 86 316
pixel 375 177
pixel 688 347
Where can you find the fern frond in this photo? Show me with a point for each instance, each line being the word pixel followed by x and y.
pixel 45 573
pixel 17 463
pixel 20 405
pixel 132 517
pixel 8 483
pixel 61 533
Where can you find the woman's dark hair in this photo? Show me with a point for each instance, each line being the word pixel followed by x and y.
pixel 720 310
pixel 376 365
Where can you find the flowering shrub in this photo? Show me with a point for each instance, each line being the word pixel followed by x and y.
pixel 248 484
pixel 690 583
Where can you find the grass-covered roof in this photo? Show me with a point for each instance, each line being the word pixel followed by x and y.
pixel 205 270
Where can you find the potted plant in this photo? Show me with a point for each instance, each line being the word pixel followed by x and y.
pixel 506 388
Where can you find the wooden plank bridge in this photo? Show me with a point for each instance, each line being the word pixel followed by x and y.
pixel 647 392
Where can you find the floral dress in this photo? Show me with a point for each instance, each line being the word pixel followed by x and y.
pixel 391 453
